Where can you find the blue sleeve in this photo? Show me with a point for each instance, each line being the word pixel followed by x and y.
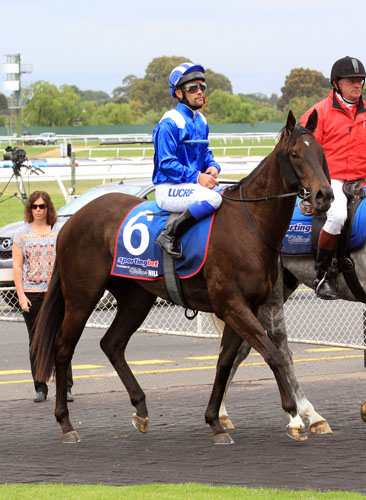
pixel 167 166
pixel 209 159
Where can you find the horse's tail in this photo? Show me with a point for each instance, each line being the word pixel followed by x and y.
pixel 47 327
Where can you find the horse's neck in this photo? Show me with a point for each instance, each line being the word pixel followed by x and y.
pixel 274 215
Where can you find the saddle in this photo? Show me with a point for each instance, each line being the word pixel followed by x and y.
pixel 343 263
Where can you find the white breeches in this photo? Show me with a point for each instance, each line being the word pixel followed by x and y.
pixel 337 214
pixel 179 197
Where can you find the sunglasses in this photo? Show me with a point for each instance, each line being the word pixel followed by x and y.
pixel 41 206
pixel 192 88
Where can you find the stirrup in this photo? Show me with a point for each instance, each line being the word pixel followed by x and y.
pixel 332 293
pixel 161 241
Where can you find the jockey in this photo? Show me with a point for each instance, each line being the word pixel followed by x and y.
pixel 341 130
pixel 185 172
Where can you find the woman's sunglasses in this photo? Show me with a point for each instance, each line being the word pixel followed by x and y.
pixel 41 206
pixel 192 88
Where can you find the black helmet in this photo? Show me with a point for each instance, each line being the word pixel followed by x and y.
pixel 347 67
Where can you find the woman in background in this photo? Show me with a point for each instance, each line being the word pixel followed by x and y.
pixel 34 252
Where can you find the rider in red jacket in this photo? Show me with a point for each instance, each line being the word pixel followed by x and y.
pixel 341 130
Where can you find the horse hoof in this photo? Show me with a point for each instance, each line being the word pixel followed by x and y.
pixel 70 437
pixel 297 433
pixel 321 427
pixel 141 424
pixel 363 411
pixel 226 423
pixel 222 439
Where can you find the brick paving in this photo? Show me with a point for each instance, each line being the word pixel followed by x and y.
pixel 178 446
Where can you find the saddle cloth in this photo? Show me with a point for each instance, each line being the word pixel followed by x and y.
pixel 298 237
pixel 137 256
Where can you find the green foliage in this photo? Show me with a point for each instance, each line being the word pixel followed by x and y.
pixel 228 108
pixel 303 83
pixel 298 105
pixel 110 114
pixel 122 93
pixel 3 103
pixel 50 106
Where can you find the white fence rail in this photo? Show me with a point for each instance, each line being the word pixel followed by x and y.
pixel 309 320
pixel 137 138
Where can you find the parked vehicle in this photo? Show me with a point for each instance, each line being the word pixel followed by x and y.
pixel 28 139
pixel 46 138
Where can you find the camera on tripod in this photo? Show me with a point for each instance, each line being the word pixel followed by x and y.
pixel 17 156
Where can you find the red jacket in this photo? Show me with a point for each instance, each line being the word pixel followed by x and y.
pixel 342 133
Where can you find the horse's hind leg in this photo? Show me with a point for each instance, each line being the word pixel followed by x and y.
pixel 71 330
pixel 133 305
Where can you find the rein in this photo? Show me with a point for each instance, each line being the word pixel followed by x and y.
pixel 291 180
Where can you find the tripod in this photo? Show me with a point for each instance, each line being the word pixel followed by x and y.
pixel 21 193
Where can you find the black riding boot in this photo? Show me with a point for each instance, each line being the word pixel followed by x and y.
pixel 167 239
pixel 326 282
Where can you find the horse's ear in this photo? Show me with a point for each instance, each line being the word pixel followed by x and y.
pixel 312 121
pixel 291 122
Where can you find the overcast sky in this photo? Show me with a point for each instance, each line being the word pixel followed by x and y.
pixel 95 44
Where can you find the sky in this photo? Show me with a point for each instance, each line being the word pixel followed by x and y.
pixel 95 44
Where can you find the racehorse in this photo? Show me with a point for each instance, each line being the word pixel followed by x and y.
pixel 293 270
pixel 237 275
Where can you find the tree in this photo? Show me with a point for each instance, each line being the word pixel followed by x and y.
pixel 49 106
pixel 223 107
pixel 111 114
pixel 303 83
pixel 3 103
pixel 298 105
pixel 122 93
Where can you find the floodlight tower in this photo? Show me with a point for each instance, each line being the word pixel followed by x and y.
pixel 13 69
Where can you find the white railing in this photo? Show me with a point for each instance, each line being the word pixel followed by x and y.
pixel 308 319
pixel 138 138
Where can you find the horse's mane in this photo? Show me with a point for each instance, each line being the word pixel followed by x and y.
pixel 283 141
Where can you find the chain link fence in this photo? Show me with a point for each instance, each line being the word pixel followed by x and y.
pixel 309 320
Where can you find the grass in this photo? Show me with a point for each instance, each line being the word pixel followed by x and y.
pixel 187 491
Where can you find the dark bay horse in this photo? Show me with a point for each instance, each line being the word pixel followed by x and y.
pixel 238 274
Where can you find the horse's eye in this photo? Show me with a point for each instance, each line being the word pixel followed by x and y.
pixel 293 154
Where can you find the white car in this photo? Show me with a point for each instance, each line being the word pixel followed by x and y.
pixel 46 138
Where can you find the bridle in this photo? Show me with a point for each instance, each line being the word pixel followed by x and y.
pixel 292 181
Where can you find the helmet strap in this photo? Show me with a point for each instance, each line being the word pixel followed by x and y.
pixel 186 103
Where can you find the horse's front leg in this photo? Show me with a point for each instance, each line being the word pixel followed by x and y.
pixel 230 344
pixel 272 318
pixel 245 323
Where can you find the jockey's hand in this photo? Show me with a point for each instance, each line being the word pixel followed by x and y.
pixel 207 180
pixel 212 171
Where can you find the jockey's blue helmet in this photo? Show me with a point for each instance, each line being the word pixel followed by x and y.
pixel 184 73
